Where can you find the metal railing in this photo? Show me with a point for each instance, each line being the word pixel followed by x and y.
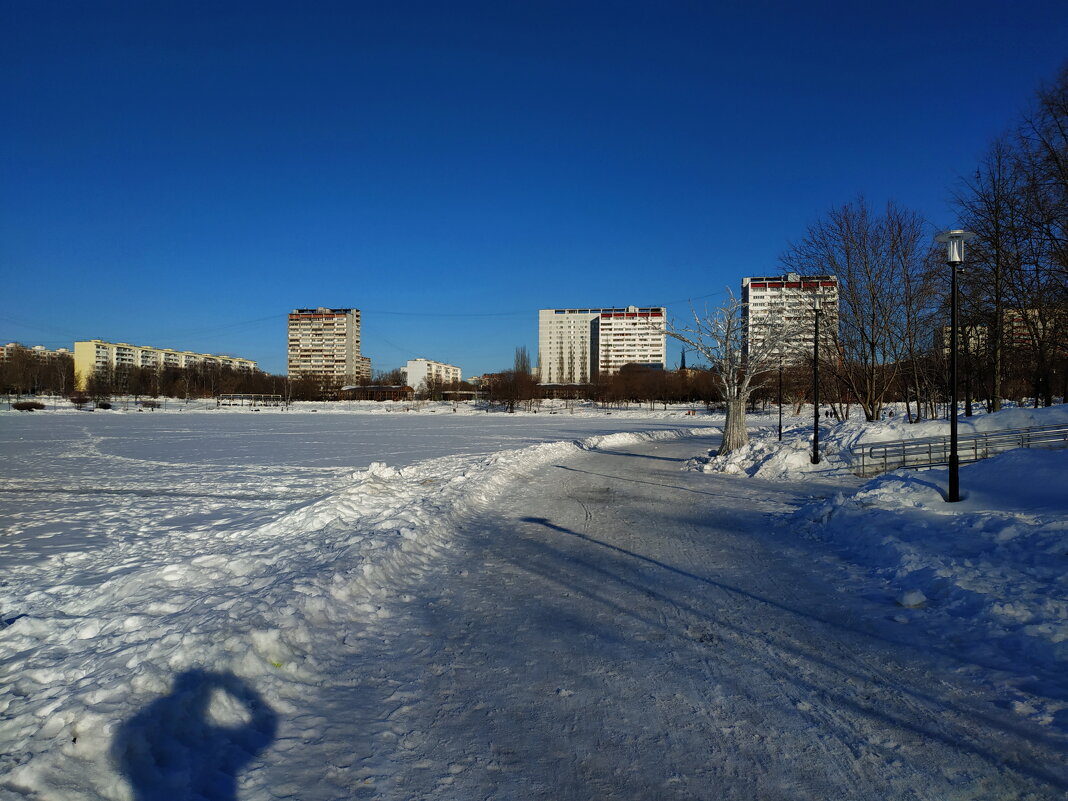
pixel 932 451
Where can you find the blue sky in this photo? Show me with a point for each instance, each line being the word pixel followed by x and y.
pixel 183 174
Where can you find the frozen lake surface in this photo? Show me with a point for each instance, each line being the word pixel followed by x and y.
pixel 69 480
pixel 292 439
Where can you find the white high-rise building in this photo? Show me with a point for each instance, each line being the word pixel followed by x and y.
pixel 326 343
pixel 786 304
pixel 575 346
pixel 425 371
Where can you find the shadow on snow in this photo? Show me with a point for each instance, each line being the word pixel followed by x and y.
pixel 193 743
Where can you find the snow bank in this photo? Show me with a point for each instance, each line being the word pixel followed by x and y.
pixel 160 639
pixel 989 574
pixel 841 442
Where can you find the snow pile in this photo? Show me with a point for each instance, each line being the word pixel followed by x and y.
pixel 841 442
pixel 765 457
pixel 156 632
pixel 989 574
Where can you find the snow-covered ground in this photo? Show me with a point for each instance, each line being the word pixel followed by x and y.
pixel 988 575
pixel 138 547
pixel 330 604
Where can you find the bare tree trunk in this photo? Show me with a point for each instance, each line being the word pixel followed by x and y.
pixel 735 433
pixel 737 365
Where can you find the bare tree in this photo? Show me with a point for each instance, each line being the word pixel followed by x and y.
pixel 878 259
pixel 62 373
pixel 1041 283
pixel 522 360
pixel 395 377
pixel 1043 147
pixel 512 388
pixel 739 367
pixel 989 205
pixel 1018 266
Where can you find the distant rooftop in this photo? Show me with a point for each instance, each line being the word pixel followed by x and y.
pixel 322 310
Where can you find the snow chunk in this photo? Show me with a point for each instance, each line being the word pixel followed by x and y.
pixel 913 599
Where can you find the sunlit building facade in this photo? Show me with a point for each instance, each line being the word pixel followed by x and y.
pixel 422 372
pixel 785 306
pixel 325 343
pixel 575 346
pixel 95 355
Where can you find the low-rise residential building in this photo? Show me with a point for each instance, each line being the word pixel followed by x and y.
pixel 40 351
pixel 425 372
pixel 94 354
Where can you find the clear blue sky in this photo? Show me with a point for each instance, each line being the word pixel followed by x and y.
pixel 182 174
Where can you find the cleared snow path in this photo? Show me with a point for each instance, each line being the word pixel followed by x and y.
pixel 613 627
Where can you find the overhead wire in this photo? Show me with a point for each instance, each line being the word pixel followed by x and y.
pixel 202 331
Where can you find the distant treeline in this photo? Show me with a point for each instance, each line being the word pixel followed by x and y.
pixel 27 373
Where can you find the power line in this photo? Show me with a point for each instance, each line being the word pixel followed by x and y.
pixel 693 298
pixel 445 314
pixel 195 333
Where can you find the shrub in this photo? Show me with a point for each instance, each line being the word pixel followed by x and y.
pixel 79 400
pixel 27 406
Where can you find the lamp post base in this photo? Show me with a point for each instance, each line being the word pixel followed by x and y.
pixel 954 479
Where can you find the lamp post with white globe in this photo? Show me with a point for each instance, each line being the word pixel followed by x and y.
pixel 954 242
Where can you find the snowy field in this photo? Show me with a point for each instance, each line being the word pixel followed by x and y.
pixel 83 480
pixel 137 547
pixel 448 604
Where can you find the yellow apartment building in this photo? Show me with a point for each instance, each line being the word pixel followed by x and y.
pixel 95 354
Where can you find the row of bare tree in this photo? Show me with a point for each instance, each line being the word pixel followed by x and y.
pixel 1016 286
pixel 200 381
pixel 888 342
pixel 26 372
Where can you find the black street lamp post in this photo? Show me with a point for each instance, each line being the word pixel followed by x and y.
pixel 816 389
pixel 780 398
pixel 954 242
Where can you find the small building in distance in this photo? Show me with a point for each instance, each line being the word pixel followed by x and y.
pixel 425 372
pixel 971 338
pixel 11 349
